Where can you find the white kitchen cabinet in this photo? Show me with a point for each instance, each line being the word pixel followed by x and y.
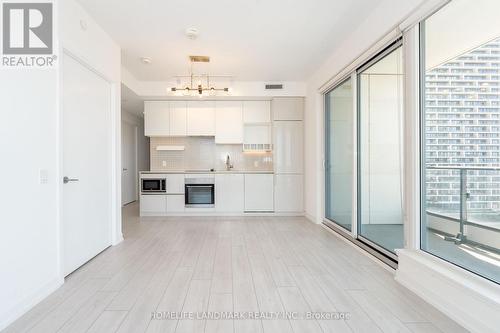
pixel 201 118
pixel 229 122
pixel 175 203
pixel 256 112
pixel 259 193
pixel 288 194
pixel 153 205
pixel 178 118
pixel 229 193
pixel 287 108
pixel 175 184
pixel 288 140
pixel 156 118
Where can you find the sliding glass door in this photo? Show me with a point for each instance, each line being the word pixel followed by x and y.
pixel 364 153
pixel 380 159
pixel 339 154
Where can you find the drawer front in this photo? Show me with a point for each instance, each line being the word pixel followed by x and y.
pixel 153 204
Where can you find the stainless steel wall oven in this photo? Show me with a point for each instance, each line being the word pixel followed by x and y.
pixel 199 192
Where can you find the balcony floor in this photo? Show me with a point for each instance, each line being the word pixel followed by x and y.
pixel 484 261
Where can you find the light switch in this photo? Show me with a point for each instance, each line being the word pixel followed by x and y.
pixel 44 176
pixel 164 163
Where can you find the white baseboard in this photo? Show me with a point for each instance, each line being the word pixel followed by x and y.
pixel 24 306
pixel 310 218
pixel 470 300
pixel 118 240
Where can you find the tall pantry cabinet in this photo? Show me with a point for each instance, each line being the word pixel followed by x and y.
pixel 288 141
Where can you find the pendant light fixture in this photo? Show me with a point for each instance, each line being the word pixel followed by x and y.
pixel 203 80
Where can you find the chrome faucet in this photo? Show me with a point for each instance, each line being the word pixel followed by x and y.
pixel 229 166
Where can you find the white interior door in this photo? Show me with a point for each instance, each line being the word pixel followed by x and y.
pixel 129 163
pixel 86 211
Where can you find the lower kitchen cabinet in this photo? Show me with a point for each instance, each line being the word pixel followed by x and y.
pixel 288 195
pixel 259 189
pixel 175 184
pixel 153 204
pixel 175 203
pixel 229 193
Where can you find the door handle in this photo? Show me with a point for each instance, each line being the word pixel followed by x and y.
pixel 124 169
pixel 67 180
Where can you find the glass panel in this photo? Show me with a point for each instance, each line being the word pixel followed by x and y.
pixel 150 185
pixel 339 154
pixel 200 195
pixel 461 138
pixel 380 152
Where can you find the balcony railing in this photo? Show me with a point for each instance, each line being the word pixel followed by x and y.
pixel 467 195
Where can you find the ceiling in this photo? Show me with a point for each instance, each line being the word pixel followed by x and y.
pixel 253 40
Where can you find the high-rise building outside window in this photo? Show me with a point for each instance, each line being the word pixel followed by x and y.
pixel 460 117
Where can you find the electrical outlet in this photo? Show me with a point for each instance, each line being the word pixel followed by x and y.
pixel 256 164
pixel 164 163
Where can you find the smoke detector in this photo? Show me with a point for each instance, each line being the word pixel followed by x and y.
pixel 146 60
pixel 192 33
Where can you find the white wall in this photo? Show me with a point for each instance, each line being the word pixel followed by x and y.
pixel 142 140
pixel 29 132
pixel 380 22
pixel 29 261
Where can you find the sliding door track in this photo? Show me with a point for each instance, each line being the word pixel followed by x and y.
pixel 366 245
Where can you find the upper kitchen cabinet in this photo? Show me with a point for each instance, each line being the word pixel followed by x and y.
pixel 288 140
pixel 201 118
pixel 256 112
pixel 178 118
pixel 156 118
pixel 229 122
pixel 288 108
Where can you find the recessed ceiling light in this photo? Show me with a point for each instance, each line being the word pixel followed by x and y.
pixel 192 33
pixel 146 60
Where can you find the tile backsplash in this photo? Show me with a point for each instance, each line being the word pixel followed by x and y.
pixel 202 153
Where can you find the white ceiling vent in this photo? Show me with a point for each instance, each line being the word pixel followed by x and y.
pixel 274 86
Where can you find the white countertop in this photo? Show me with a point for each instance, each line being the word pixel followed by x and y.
pixel 206 171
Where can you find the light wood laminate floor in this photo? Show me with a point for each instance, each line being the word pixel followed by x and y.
pixel 233 265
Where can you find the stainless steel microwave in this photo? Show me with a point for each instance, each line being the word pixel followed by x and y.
pixel 153 185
